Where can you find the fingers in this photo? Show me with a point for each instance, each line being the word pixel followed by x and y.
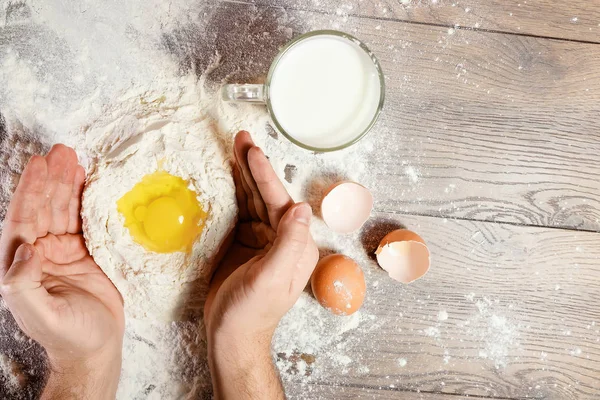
pixel 74 225
pixel 47 199
pixel 28 198
pixel 293 248
pixel 240 194
pixel 242 145
pixel 56 161
pixel 272 191
pixel 267 197
pixel 23 292
pixel 62 168
pixel 61 249
pixel 256 235
pixel 83 268
pixel 21 223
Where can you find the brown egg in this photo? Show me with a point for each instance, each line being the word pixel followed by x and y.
pixel 404 255
pixel 338 283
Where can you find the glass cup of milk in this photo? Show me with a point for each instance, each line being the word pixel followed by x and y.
pixel 324 91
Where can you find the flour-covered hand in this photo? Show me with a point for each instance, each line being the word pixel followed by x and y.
pixel 261 277
pixel 54 289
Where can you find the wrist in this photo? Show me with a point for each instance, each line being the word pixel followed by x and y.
pixel 242 367
pixel 241 348
pixel 93 376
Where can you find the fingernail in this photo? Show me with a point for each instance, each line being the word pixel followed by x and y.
pixel 23 253
pixel 303 213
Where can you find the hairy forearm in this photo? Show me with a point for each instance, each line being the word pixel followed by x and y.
pixel 244 370
pixel 95 379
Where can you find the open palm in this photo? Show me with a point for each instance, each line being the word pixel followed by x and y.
pixel 54 289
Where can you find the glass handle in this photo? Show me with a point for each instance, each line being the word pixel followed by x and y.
pixel 252 93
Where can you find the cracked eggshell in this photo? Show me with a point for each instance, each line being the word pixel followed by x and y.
pixel 346 206
pixel 338 283
pixel 404 255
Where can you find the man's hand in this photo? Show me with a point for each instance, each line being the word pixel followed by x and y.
pixel 261 277
pixel 54 289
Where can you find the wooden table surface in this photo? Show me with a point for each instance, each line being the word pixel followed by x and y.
pixel 494 104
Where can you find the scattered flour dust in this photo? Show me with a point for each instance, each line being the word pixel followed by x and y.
pixel 412 173
pixel 498 335
pixel 492 333
pixel 442 315
pixel 12 374
pixel 432 332
pixel 71 67
pixel 306 330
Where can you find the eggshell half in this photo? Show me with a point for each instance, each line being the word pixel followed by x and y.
pixel 338 283
pixel 404 255
pixel 346 206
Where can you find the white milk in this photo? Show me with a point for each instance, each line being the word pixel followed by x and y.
pixel 325 91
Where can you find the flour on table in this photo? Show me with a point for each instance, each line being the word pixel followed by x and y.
pixel 11 372
pixel 498 334
pixel 442 315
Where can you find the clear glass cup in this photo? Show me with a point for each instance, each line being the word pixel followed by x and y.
pixel 259 93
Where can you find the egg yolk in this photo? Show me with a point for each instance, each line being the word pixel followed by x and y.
pixel 162 214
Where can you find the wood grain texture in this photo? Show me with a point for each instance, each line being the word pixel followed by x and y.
pixel 486 126
pixel 505 312
pixel 311 391
pixel 476 125
pixel 489 127
pixel 574 20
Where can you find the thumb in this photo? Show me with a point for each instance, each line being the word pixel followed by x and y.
pixel 25 271
pixel 22 289
pixel 293 238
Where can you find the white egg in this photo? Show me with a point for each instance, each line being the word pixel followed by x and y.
pixel 346 206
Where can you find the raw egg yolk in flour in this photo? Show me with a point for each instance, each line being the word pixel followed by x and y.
pixel 162 213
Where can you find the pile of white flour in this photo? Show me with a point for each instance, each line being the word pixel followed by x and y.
pixel 160 129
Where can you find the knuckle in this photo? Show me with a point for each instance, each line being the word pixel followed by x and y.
pixel 60 205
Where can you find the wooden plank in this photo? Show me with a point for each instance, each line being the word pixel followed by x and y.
pixel 505 311
pixel 574 20
pixel 487 126
pixel 477 125
pixel 311 391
